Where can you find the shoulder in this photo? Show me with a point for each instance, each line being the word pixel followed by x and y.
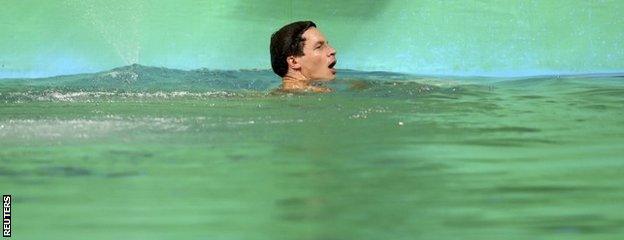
pixel 308 90
pixel 279 92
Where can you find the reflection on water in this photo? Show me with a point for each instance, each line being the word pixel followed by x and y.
pixel 526 159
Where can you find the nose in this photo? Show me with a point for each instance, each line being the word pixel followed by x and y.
pixel 332 50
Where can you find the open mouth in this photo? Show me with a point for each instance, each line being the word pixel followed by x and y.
pixel 331 67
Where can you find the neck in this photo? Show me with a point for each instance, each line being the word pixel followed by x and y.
pixel 295 81
pixel 298 83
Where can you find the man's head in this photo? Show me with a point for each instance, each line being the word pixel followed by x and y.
pixel 300 49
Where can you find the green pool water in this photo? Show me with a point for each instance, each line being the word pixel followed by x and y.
pixel 381 158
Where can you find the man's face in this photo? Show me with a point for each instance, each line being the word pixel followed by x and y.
pixel 319 58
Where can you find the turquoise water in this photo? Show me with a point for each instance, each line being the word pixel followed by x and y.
pixel 153 153
pixel 473 37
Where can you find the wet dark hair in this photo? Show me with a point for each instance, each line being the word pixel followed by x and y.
pixel 287 42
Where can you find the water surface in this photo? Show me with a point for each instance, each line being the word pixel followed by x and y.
pixel 155 153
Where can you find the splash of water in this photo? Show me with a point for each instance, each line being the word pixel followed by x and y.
pixel 117 23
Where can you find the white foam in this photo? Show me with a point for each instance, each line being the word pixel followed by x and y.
pixel 88 96
pixel 52 129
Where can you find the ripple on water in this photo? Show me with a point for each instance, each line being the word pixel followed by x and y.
pixel 53 129
pixel 96 96
pixel 64 171
pixel 507 142
pixel 510 129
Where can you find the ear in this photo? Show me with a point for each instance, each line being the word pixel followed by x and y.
pixel 293 62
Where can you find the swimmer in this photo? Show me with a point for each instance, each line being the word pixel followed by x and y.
pixel 303 58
